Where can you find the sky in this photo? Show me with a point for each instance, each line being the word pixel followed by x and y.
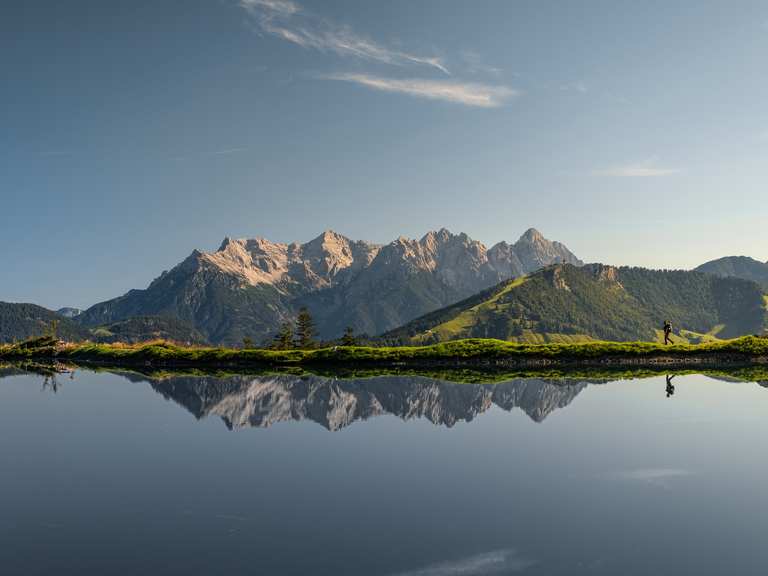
pixel 134 132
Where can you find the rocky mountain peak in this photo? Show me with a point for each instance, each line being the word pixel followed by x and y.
pixel 329 238
pixel 532 235
pixel 224 243
pixel 437 236
pixel 535 251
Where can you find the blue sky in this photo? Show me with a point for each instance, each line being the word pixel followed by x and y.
pixel 133 132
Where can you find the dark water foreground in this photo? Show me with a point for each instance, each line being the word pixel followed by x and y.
pixel 124 473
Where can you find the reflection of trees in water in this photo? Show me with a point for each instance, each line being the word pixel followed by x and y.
pixel 50 374
pixel 52 381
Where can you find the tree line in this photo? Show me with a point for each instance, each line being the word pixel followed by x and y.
pixel 302 335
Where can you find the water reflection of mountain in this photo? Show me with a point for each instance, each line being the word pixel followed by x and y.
pixel 260 401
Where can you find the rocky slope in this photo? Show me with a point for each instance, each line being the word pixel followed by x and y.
pixel 738 267
pixel 248 287
pixel 261 401
pixel 568 303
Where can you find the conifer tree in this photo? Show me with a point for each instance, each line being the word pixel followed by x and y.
pixel 349 339
pixel 305 329
pixel 283 340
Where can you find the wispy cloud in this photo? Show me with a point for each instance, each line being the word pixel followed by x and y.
pixel 225 151
pixel 645 169
pixel 577 86
pixel 495 562
pixel 658 477
pixel 287 20
pixel 466 93
pixel 475 65
pixel 207 154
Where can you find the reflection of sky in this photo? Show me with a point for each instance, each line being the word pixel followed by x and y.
pixel 106 467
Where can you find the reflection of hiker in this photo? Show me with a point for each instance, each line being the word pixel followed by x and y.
pixel 670 386
pixel 667 332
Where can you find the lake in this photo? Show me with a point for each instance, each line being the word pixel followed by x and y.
pixel 110 473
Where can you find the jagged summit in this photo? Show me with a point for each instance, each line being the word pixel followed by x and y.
pixel 531 235
pixel 249 286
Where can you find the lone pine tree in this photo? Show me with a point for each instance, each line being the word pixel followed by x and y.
pixel 283 340
pixel 305 329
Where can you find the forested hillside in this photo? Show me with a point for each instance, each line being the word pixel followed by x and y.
pixel 143 328
pixel 19 322
pixel 22 321
pixel 568 303
pixel 738 267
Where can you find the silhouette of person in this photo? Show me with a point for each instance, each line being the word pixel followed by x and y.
pixel 670 386
pixel 667 332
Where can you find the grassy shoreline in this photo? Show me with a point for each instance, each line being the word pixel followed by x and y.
pixel 471 352
pixel 460 375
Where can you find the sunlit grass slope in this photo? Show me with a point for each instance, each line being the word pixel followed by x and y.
pixel 475 349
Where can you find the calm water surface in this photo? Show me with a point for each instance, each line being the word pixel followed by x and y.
pixel 124 474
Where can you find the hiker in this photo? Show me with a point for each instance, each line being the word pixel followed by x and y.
pixel 670 386
pixel 667 332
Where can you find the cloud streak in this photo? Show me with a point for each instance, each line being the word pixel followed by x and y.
pixel 578 86
pixel 658 477
pixel 465 93
pixel 639 170
pixel 225 151
pixel 287 20
pixel 495 562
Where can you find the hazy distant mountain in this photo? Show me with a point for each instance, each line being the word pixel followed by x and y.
pixel 68 312
pixel 568 303
pixel 248 287
pixel 261 401
pixel 21 321
pixel 738 267
pixel 144 328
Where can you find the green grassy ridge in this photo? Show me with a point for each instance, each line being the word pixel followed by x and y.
pixel 564 303
pixel 457 350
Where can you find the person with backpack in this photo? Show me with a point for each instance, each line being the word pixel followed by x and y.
pixel 667 332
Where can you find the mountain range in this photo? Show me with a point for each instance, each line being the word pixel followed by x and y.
pixel 439 287
pixel 249 287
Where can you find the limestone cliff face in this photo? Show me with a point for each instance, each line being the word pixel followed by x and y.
pixel 409 278
pixel 249 401
pixel 328 260
pixel 248 287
